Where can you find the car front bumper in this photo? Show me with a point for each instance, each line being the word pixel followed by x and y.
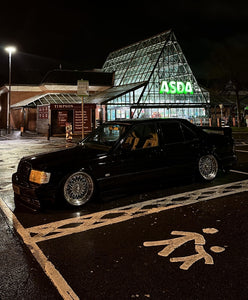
pixel 32 195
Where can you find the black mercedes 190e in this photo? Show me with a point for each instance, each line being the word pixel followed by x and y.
pixel 120 154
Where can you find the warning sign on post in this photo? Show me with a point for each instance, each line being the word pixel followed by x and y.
pixel 82 87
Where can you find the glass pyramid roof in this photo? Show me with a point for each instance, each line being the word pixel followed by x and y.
pixel 154 60
pixel 136 62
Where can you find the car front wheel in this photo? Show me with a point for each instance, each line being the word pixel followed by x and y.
pixel 78 188
pixel 208 167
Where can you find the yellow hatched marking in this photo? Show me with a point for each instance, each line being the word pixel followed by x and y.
pixel 109 217
pixel 54 275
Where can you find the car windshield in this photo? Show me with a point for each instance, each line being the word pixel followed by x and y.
pixel 105 136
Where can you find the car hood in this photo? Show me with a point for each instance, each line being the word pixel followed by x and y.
pixel 65 158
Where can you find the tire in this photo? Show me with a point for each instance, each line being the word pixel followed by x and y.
pixel 208 167
pixel 78 188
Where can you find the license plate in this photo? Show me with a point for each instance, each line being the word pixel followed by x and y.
pixel 16 189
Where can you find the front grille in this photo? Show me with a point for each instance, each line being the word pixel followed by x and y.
pixel 23 171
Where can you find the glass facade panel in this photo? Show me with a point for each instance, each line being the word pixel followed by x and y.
pixel 171 89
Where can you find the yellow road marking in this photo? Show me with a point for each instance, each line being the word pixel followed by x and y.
pixel 104 218
pixel 53 274
pixel 239 172
pixel 109 217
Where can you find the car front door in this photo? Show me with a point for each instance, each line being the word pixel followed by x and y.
pixel 137 157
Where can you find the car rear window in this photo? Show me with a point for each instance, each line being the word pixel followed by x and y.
pixel 189 135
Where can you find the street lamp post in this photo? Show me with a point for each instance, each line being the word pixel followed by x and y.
pixel 221 113
pixel 10 50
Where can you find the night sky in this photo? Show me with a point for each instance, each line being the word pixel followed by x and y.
pixel 80 34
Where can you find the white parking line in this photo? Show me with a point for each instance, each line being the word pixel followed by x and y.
pixel 239 172
pixel 53 274
pixel 245 151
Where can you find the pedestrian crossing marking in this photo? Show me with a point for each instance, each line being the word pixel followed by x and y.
pixel 187 261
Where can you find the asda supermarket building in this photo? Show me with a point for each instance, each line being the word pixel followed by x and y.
pixel 152 78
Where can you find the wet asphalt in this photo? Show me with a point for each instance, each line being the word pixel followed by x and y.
pixel 21 276
pixel 114 264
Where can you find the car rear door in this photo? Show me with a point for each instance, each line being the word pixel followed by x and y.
pixel 179 148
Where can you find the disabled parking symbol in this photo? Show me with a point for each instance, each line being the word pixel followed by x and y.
pixel 184 237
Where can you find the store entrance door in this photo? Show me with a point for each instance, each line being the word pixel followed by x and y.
pixel 59 119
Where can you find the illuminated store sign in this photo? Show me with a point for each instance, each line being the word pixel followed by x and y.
pixel 176 87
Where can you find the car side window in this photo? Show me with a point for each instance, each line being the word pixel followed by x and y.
pixel 172 132
pixel 189 135
pixel 142 136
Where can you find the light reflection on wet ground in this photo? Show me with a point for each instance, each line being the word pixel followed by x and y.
pixel 12 150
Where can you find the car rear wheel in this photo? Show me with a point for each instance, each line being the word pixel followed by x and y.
pixel 78 188
pixel 208 167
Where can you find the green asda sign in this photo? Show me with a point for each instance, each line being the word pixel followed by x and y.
pixel 176 87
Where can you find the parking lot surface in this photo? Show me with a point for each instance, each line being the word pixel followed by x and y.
pixel 174 242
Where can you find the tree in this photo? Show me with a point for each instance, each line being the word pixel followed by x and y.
pixel 228 69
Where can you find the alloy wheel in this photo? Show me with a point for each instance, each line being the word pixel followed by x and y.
pixel 78 188
pixel 208 167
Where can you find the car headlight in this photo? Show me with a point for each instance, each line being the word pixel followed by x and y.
pixel 40 177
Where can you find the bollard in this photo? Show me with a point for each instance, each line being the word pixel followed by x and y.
pixel 49 132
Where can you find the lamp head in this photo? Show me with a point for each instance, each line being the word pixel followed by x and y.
pixel 10 49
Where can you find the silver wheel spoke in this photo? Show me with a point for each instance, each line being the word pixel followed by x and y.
pixel 208 167
pixel 78 188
